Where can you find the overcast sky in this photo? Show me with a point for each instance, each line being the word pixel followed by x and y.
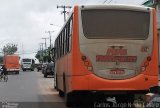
pixel 24 22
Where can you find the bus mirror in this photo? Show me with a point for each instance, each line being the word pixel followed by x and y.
pixel 54 49
pixel 53 54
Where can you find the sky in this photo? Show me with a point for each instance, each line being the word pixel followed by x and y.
pixel 26 22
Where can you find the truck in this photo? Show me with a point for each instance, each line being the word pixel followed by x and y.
pixel 11 63
pixel 27 64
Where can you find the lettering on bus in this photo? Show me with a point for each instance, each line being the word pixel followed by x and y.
pixel 114 55
pixel 144 49
pixel 112 51
pixel 117 71
pixel 106 58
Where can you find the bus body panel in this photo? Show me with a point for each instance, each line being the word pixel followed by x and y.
pixel 93 83
pixel 154 62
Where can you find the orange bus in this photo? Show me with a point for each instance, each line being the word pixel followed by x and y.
pixel 107 48
pixel 12 63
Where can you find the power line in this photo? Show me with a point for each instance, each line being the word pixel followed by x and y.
pixel 108 1
pixel 26 53
pixel 64 10
pixel 104 2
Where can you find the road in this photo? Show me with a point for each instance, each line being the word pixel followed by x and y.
pixel 29 90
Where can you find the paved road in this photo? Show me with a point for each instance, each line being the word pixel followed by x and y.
pixel 29 90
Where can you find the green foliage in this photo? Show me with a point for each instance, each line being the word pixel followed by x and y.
pixel 42 56
pixel 38 55
pixel 9 49
pixel 45 58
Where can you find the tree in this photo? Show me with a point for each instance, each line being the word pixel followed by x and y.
pixel 9 49
pixel 42 56
pixel 38 56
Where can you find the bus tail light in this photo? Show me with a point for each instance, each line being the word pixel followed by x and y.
pixel 143 68
pixel 87 63
pixel 90 68
pixel 149 58
pixel 146 64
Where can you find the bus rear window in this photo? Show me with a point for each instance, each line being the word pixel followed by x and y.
pixel 115 24
pixel 26 60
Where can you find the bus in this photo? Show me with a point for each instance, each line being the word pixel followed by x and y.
pixel 28 64
pixel 11 63
pixel 111 49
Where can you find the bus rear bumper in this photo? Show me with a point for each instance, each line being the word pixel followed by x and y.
pixel 141 83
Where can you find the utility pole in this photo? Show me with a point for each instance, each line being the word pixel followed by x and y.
pixel 41 44
pixel 50 37
pixel 41 47
pixel 45 42
pixel 22 51
pixel 64 10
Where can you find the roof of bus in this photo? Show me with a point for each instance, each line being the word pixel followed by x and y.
pixel 116 6
pixel 12 55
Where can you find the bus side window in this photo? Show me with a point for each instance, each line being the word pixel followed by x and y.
pixel 60 46
pixel 64 42
pixel 57 48
pixel 33 62
pixel 70 33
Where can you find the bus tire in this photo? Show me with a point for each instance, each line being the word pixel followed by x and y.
pixel 69 100
pixel 17 72
pixel 45 75
pixel 56 83
pixel 68 96
pixel 61 93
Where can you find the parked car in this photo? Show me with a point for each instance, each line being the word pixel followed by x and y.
pixel 43 67
pixel 49 69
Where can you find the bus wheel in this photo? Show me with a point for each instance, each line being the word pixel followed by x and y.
pixel 45 75
pixel 61 93
pixel 17 72
pixel 55 83
pixel 126 98
pixel 69 100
